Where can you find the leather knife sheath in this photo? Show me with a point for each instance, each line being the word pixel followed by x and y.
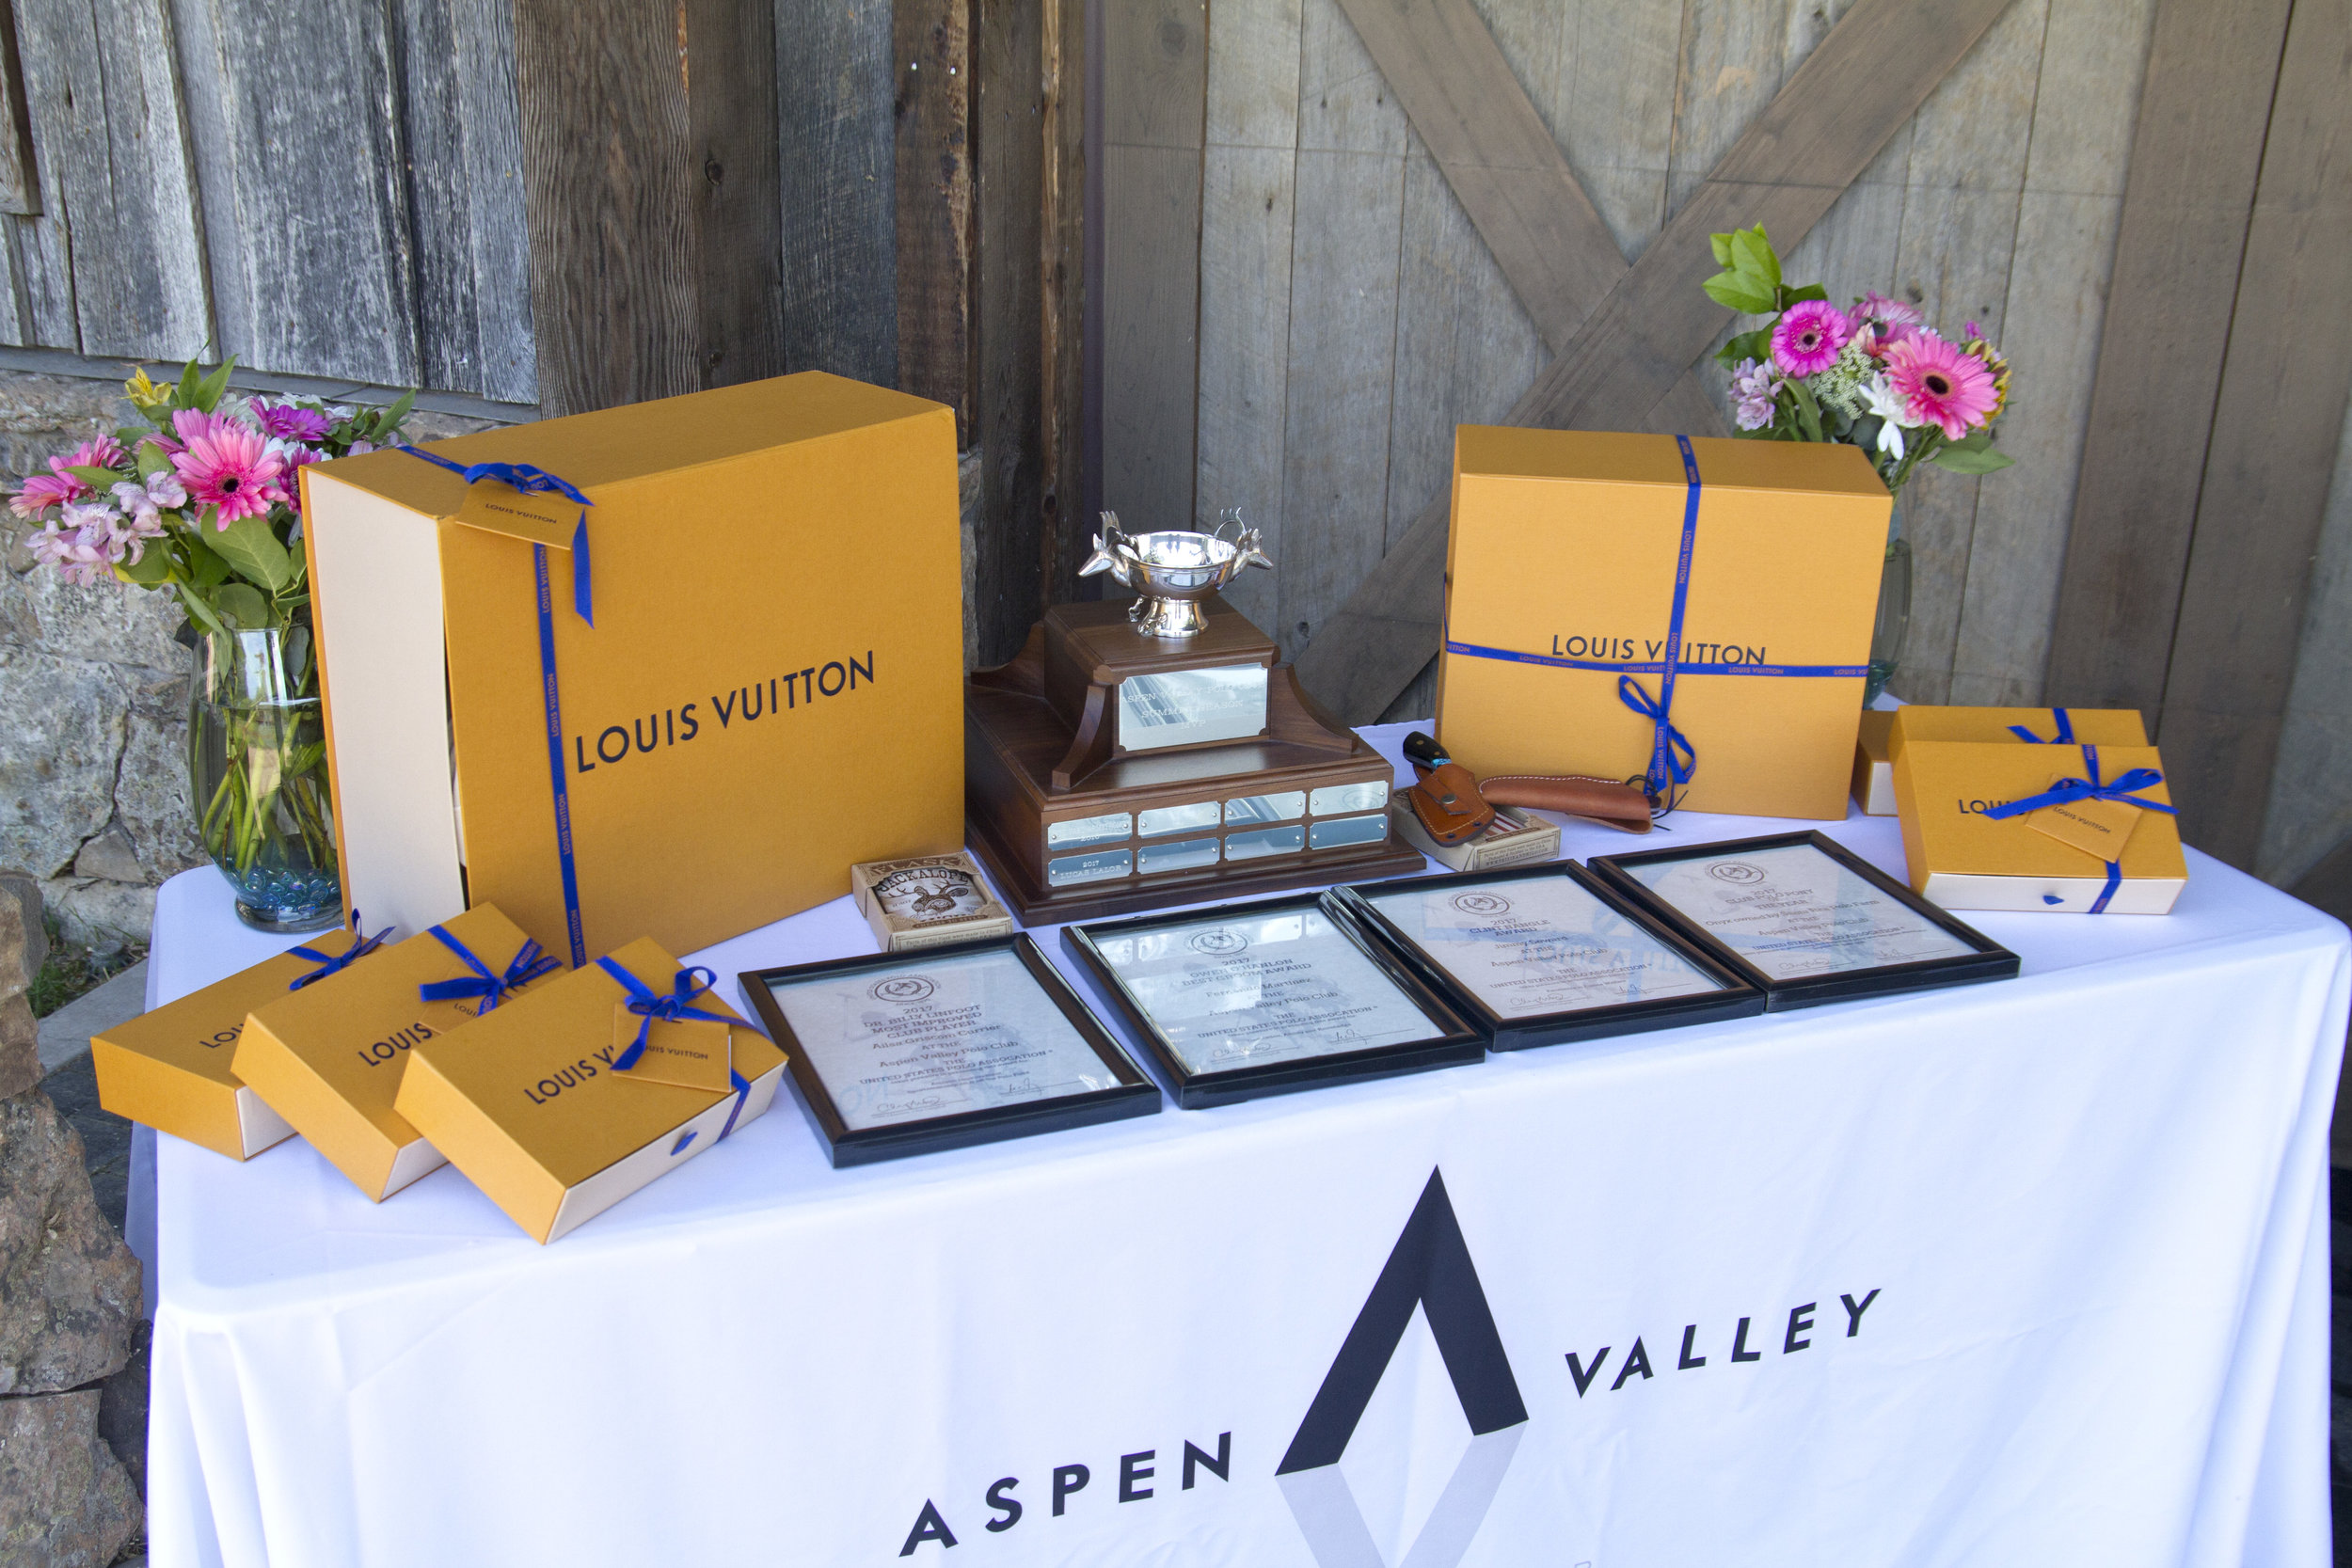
pixel 1447 803
pixel 1612 805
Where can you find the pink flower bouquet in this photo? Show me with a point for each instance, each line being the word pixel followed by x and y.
pixel 1875 376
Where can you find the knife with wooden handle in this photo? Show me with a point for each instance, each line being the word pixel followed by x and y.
pixel 1452 804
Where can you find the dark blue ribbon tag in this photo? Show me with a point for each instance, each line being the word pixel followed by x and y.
pixel 650 1005
pixel 334 963
pixel 2065 736
pixel 529 965
pixel 527 480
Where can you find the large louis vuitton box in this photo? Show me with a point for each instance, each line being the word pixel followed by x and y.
pixel 1597 581
pixel 673 690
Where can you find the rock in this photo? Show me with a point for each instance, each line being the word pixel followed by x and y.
pixel 111 857
pixel 65 1500
pixel 152 786
pixel 122 1409
pixel 19 1063
pixel 24 940
pixel 69 1287
pixel 61 731
pixel 96 914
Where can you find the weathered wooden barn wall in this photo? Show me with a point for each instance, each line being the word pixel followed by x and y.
pixel 1349 315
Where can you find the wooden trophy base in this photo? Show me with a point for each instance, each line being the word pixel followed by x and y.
pixel 1046 779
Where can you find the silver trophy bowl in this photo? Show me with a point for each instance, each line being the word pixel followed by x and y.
pixel 1174 570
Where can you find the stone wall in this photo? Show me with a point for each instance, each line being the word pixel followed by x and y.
pixel 94 695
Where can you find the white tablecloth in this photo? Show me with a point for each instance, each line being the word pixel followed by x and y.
pixel 2089 1202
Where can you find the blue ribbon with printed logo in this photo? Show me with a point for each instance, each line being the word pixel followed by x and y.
pixel 2066 791
pixel 535 481
pixel 650 1005
pixel 2065 736
pixel 1672 758
pixel 332 963
pixel 529 964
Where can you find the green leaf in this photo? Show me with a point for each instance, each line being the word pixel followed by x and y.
pixel 1722 243
pixel 389 419
pixel 1751 253
pixel 185 396
pixel 249 546
pixel 1808 411
pixel 206 569
pixel 198 612
pixel 1960 460
pixel 152 459
pixel 241 604
pixel 1739 291
pixel 104 479
pixel 1811 291
pixel 1975 440
pixel 152 569
pixel 208 391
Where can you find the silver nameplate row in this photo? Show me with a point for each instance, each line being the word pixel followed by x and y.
pixel 1183 707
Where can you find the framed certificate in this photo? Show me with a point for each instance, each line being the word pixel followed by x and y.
pixel 1545 954
pixel 903 1054
pixel 1806 920
pixel 1268 997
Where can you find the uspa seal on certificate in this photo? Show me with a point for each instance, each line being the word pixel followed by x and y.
pixel 1263 998
pixel 1545 954
pixel 896 1055
pixel 1806 920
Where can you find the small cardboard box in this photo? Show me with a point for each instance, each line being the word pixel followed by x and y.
pixel 1563 568
pixel 927 901
pixel 173 1070
pixel 775 581
pixel 1874 764
pixel 329 1057
pixel 526 1103
pixel 1961 858
pixel 1519 838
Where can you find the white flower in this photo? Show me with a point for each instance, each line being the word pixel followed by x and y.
pixel 1879 399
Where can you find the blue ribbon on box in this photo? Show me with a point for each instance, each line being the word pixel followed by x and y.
pixel 1672 758
pixel 2066 791
pixel 330 963
pixel 648 1004
pixel 2065 736
pixel 531 480
pixel 527 965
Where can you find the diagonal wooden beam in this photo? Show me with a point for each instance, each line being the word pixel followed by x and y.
pixel 1632 353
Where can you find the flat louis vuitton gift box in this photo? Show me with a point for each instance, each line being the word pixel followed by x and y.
pixel 2047 828
pixel 329 1057
pixel 540 1104
pixel 1883 734
pixel 656 671
pixel 1693 612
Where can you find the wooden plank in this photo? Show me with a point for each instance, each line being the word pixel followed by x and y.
pixel 2196 152
pixel 498 229
pixel 2093 55
pixel 931 64
pixel 20 181
pixel 613 262
pixel 737 194
pixel 1248 184
pixel 1611 107
pixel 1153 104
pixel 836 151
pixel 321 268
pixel 2310 787
pixel 440 192
pixel 1061 268
pixel 1343 323
pixel 2284 385
pixel 108 106
pixel 1008 150
pixel 1967 165
pixel 1829 122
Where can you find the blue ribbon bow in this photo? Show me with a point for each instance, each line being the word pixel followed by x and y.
pixel 650 1005
pixel 1674 756
pixel 527 965
pixel 2065 736
pixel 2066 791
pixel 330 963
pixel 531 481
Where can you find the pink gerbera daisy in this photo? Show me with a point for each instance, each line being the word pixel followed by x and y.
pixel 60 486
pixel 1940 384
pixel 229 467
pixel 1809 336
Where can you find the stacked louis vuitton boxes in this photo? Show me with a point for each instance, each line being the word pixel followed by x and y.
pixel 572 672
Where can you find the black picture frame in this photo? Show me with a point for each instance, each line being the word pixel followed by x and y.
pixel 1454 1043
pixel 1988 959
pixel 1739 997
pixel 1135 1094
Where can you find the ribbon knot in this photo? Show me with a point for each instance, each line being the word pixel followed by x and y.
pixel 330 963
pixel 2065 736
pixel 529 479
pixel 1672 758
pixel 529 964
pixel 2068 791
pixel 650 1005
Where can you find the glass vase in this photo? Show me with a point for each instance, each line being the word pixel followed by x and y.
pixel 256 775
pixel 1892 627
